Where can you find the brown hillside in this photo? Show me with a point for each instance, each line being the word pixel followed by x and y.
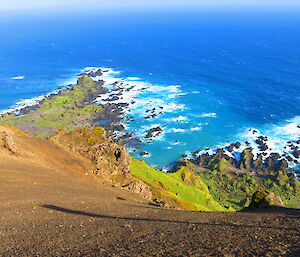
pixel 51 205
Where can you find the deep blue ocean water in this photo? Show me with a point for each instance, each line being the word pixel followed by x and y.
pixel 237 69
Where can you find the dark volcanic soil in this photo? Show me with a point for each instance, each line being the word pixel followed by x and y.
pixel 75 217
pixel 50 207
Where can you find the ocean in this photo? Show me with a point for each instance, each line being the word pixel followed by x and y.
pixel 217 74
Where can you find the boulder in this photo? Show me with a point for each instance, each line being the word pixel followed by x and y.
pixel 230 148
pixel 154 132
pixel 144 153
pixel 296 154
pixel 7 142
pixel 237 145
pixel 264 199
pixel 263 147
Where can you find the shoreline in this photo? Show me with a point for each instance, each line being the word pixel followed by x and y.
pixel 123 94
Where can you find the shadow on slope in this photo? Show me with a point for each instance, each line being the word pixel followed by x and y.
pixel 225 224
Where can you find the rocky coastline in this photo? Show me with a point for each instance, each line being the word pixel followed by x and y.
pixel 257 157
pixel 105 102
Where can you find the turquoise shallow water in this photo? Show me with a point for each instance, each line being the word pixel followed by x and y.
pixel 234 70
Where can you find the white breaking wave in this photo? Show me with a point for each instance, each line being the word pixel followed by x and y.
pixel 208 115
pixel 196 129
pixel 281 139
pixel 176 130
pixel 18 77
pixel 133 78
pixel 181 119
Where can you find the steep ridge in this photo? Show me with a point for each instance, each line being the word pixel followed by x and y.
pixel 113 165
pixel 88 153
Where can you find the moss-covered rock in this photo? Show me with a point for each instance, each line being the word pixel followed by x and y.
pixel 264 199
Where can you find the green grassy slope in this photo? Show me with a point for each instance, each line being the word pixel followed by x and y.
pixel 188 190
pixel 233 188
pixel 68 109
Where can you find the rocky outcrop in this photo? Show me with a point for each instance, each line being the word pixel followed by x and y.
pixel 246 159
pixel 264 199
pixel 258 163
pixel 154 132
pixel 6 141
pixel 257 158
pixel 111 161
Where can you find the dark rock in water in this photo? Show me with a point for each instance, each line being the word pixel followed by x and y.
pixel 295 161
pixel 294 148
pixel 259 141
pixel 151 116
pixel 298 142
pixel 237 145
pixel 114 98
pixel 203 160
pixel 196 153
pixel 126 135
pixel 247 159
pixel 136 141
pixel 258 163
pixel 296 154
pixel 95 73
pixel 230 148
pixel 220 154
pixel 263 138
pixel 263 147
pixel 184 156
pixel 247 143
pixel 289 158
pixel 119 127
pixel 207 149
pixel 154 132
pixel 122 105
pixel 275 156
pixel 144 153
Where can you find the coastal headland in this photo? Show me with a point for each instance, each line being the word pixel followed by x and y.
pixel 227 176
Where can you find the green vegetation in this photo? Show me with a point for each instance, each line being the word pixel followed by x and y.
pixel 68 109
pixel 233 188
pixel 188 190
pixel 218 187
